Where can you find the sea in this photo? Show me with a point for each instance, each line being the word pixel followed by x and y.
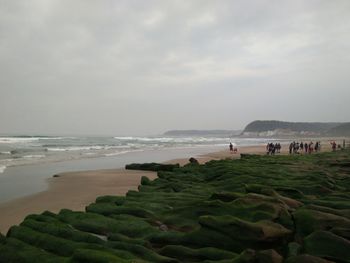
pixel 27 161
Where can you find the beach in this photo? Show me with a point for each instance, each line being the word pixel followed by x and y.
pixel 76 190
pixel 73 191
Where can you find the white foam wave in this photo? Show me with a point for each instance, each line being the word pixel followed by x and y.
pixel 9 140
pixel 55 138
pixel 126 138
pixel 34 156
pixel 2 168
pixel 17 139
pixel 5 152
pixel 78 148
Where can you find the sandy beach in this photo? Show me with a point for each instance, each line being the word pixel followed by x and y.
pixel 75 190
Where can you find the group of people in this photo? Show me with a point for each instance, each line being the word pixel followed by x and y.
pixel 272 148
pixel 296 147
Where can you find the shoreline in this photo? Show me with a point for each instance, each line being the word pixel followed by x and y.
pixel 76 190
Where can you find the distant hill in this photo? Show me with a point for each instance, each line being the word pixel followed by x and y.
pixel 282 128
pixel 340 130
pixel 219 133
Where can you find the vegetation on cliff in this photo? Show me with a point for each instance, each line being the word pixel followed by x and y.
pixel 255 209
pixel 341 130
pixel 297 128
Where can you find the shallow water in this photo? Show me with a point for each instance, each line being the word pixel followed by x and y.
pixel 23 180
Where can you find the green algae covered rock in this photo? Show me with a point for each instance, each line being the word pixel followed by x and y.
pixel 266 231
pixel 307 259
pixel 328 245
pixel 308 221
pixel 269 256
pixel 14 250
pixel 152 166
pixel 2 239
pixel 93 256
pixel 183 253
pixel 258 209
pixel 293 249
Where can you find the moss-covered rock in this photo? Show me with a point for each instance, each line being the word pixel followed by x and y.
pixel 327 245
pixel 185 254
pixel 269 256
pixel 306 259
pixel 152 166
pixel 294 249
pixel 255 232
pixel 308 221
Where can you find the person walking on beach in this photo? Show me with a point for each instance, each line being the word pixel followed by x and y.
pixel 290 148
pixel 278 147
pixel 306 146
pixel 311 147
pixel 316 147
pixel 334 146
pixel 301 147
pixel 231 147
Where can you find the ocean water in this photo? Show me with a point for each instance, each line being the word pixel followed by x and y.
pixel 24 150
pixel 27 161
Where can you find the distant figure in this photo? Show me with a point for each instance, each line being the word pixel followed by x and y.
pixel 278 147
pixel 301 147
pixel 311 147
pixel 334 146
pixel 271 148
pixel 316 147
pixel 290 148
pixel 231 147
pixel 306 146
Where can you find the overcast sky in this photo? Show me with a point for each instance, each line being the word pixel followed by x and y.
pixel 144 67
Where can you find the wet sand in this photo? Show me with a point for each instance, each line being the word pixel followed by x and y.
pixel 73 191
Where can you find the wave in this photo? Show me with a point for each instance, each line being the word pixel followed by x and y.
pixel 77 148
pixel 34 156
pixel 2 168
pixel 17 139
pixel 25 139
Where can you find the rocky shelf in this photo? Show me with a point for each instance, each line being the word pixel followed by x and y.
pixel 255 209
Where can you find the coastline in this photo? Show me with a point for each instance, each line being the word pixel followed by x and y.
pixel 76 190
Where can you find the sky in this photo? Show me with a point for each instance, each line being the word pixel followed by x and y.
pixel 130 67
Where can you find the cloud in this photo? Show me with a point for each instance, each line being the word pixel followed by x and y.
pixel 129 60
